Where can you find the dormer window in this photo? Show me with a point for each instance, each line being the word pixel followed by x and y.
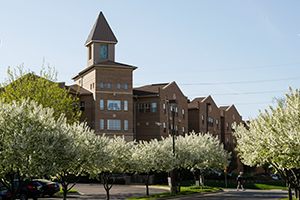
pixel 103 51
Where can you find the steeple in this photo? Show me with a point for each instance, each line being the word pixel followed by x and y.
pixel 101 32
pixel 100 42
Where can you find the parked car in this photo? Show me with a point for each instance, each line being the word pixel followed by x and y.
pixel 216 172
pixel 31 189
pixel 49 187
pixel 274 176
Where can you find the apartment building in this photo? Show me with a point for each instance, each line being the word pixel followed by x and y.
pixel 153 111
pixel 204 116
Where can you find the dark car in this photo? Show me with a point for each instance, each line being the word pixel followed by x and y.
pixel 31 189
pixel 49 187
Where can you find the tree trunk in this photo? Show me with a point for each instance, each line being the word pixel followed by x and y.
pixel 179 181
pixel 289 192
pixel 107 194
pixel 147 184
pixel 65 194
pixel 201 178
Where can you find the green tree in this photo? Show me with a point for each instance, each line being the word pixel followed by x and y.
pixel 42 88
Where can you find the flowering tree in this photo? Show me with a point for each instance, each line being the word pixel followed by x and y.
pixel 151 156
pixel 80 154
pixel 118 158
pixel 273 139
pixel 202 151
pixel 28 136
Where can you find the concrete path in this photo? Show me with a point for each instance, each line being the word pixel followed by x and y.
pixel 96 191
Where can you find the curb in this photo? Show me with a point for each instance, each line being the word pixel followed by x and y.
pixel 187 196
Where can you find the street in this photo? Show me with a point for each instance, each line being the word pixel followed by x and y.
pixel 96 191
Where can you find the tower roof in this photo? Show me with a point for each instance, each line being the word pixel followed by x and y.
pixel 101 31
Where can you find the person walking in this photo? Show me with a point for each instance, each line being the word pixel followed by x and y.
pixel 240 181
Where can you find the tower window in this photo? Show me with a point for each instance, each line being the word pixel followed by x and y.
pixel 125 86
pixel 90 52
pixel 119 85
pixel 125 105
pixel 108 85
pixel 103 51
pixel 101 85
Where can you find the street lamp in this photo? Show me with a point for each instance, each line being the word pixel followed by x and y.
pixel 207 104
pixel 173 103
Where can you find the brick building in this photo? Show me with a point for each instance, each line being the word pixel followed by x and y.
pixel 111 105
pixel 152 111
pixel 204 116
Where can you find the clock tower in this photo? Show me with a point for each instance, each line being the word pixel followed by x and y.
pixel 109 84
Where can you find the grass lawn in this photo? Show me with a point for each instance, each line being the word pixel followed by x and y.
pixel 212 186
pixel 184 191
pixel 71 191
pixel 268 185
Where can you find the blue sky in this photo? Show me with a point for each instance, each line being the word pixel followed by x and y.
pixel 239 52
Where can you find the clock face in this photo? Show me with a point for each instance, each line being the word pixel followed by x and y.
pixel 103 51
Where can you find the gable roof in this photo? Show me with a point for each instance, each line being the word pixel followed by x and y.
pixel 101 31
pixel 194 103
pixel 151 89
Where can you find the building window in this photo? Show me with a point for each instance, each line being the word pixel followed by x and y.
pixel 183 131
pixel 90 52
pixel 114 124
pixel 154 107
pixel 108 85
pixel 233 141
pixel 183 115
pixel 202 119
pixel 126 125
pixel 176 130
pixel 113 105
pixel 101 124
pixel 176 111
pixel 103 51
pixel 82 105
pixel 217 123
pixel 141 108
pixel 101 85
pixel 147 107
pixel 126 105
pixel 211 121
pixel 101 104
pixel 119 85
pixel 227 126
pixel 125 86
pixel 164 107
pixel 227 140
pixel 165 128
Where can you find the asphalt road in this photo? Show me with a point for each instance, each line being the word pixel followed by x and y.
pixel 96 191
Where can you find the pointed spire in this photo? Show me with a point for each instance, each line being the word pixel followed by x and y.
pixel 101 31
